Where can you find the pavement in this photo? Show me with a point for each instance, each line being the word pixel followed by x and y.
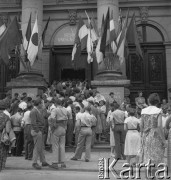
pixel 17 168
pixel 19 163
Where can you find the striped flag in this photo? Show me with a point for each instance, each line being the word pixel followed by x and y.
pixel 112 34
pixel 2 27
pixel 92 38
pixel 28 34
pixel 121 35
pixel 80 42
pixel 121 40
pixel 33 44
pixel 9 40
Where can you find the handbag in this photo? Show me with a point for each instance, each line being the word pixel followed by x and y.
pixel 166 133
pixel 5 137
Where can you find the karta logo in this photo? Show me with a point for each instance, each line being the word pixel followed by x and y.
pixel 107 168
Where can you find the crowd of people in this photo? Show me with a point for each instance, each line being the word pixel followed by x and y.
pixel 72 113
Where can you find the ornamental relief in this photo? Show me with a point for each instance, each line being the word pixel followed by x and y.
pixel 144 13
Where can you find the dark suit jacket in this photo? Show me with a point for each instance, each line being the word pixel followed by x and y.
pixel 37 120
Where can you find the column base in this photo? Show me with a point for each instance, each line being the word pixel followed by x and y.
pixel 112 81
pixel 33 83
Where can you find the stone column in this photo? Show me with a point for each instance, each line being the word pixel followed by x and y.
pixel 102 7
pixel 34 7
pixel 168 69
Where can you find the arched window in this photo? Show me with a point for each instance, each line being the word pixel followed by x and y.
pixel 149 33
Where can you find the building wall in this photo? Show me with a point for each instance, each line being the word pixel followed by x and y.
pixel 158 14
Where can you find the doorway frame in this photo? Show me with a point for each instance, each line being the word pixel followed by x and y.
pixel 67 49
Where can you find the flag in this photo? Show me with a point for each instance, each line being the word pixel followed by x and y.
pixel 44 31
pixel 102 26
pixel 76 52
pixel 92 37
pixel 121 50
pixel 112 34
pixel 99 54
pixel 83 34
pixel 8 20
pixel 132 36
pixel 121 40
pixel 119 22
pixel 104 35
pixel 33 44
pixel 28 34
pixel 9 40
pixel 122 34
pixel 2 27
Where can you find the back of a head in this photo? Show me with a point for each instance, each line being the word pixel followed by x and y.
pixel 116 105
pixel 87 108
pixel 131 111
pixel 154 99
pixel 58 101
pixel 37 102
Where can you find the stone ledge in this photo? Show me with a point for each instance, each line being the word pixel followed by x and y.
pixel 120 82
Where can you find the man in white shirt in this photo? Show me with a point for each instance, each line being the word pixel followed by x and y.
pixel 70 125
pixel 85 123
pixel 77 118
pixel 28 139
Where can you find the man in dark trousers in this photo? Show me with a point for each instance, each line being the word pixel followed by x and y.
pixel 37 125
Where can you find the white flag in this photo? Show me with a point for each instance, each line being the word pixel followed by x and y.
pixel 33 44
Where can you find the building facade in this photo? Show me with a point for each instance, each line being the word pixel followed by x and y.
pixel 153 20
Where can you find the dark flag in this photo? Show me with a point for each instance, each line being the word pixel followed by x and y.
pixel 9 40
pixel 28 34
pixel 104 33
pixel 44 31
pixel 132 36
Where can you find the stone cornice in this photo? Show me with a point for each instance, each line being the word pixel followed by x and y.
pixel 150 3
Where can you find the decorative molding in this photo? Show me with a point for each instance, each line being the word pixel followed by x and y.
pixel 144 14
pixel 72 16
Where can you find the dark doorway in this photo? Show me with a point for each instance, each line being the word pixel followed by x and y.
pixel 70 74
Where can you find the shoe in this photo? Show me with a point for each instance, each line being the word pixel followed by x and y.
pixel 29 159
pixel 74 159
pixel 63 165
pixel 26 158
pixel 36 166
pixel 86 160
pixel 54 166
pixel 44 164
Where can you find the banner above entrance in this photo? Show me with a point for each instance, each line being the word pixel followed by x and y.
pixel 65 35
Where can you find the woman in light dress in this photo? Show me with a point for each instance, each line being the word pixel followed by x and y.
pixel 133 139
pixel 110 121
pixel 153 140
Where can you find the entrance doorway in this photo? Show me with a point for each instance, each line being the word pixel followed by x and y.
pixel 148 74
pixel 61 66
pixel 71 74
